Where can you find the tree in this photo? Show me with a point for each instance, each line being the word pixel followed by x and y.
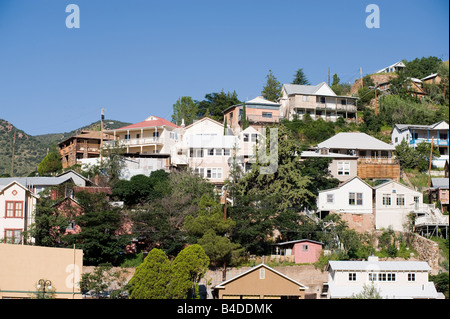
pixel 209 229
pixel 101 279
pixel 272 89
pixel 300 78
pixel 152 277
pixel 187 269
pixel 100 236
pixel 287 186
pixel 159 222
pixel 244 120
pixel 215 103
pixel 51 163
pixel 368 292
pixel 185 108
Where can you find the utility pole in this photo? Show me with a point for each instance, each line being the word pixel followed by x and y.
pixel 376 101
pixel 225 207
pixel 101 136
pixel 431 158
pixel 360 75
pixel 328 76
pixel 12 158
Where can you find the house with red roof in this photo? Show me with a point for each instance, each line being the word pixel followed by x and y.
pixel 154 135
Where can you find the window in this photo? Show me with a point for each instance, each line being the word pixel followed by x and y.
pixel 305 248
pixel 355 199
pixel 127 136
pixel 359 198
pixel 262 273
pixel 200 171
pixel 352 276
pixel 254 137
pixel 330 198
pixel 343 168
pixel 218 152
pixel 14 209
pixel 245 137
pixel 400 200
pixel 267 115
pixel 305 98
pixel 211 152
pixel 155 134
pixel 208 173
pixel 343 102
pixel 13 236
pixel 386 199
pixel 226 151
pixel 322 99
pixel 351 198
pixel 196 152
pixel 411 277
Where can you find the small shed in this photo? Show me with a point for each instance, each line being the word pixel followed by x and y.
pixel 300 251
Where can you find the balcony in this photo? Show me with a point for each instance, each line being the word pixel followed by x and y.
pixel 257 118
pixel 135 142
pixel 336 107
pixel 438 141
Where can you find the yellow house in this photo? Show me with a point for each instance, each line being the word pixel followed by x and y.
pixel 260 282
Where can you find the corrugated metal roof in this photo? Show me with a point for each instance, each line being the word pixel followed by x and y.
pixel 354 141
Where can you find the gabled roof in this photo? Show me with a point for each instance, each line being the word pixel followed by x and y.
pixel 202 120
pixel 298 241
pixel 345 183
pixel 402 127
pixel 395 182
pixel 224 283
pixel 440 182
pixel 36 181
pixel 259 103
pixel 151 121
pixel 355 141
pixel 4 187
pixel 304 89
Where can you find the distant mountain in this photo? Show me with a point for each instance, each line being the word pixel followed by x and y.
pixel 30 150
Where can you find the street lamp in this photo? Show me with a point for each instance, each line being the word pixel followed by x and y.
pixel 42 283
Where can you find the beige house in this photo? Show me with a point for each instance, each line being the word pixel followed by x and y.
pixel 319 101
pixel 260 282
pixel 23 266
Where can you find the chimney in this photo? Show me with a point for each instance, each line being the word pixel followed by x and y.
pixel 182 123
pixel 372 258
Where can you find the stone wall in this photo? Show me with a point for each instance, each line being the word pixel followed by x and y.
pixel 428 251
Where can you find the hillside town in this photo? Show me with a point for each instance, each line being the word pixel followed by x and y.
pixel 316 193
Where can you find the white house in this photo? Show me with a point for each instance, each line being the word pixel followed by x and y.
pixel 154 135
pixel 352 201
pixel 17 207
pixel 393 203
pixel 205 148
pixel 438 133
pixel 354 197
pixel 392 279
pixel 393 68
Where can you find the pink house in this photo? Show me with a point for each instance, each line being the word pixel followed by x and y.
pixel 300 251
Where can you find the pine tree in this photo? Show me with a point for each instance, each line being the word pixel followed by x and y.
pixel 244 120
pixel 300 78
pixel 272 89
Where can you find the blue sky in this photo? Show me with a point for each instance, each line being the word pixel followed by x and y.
pixel 135 58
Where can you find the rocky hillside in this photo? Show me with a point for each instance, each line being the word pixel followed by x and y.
pixel 30 150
